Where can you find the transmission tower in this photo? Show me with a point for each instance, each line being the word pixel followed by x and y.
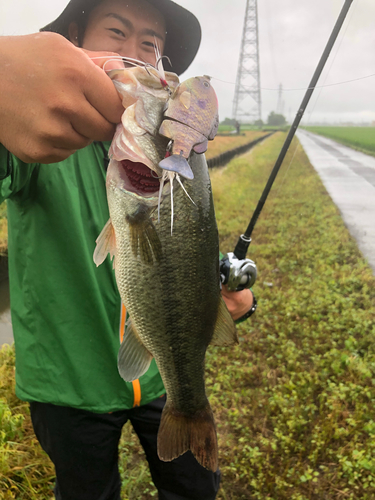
pixel 248 77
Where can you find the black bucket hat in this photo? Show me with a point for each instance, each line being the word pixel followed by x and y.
pixel 182 27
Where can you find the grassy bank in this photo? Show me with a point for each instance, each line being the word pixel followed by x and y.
pixel 361 138
pixel 295 402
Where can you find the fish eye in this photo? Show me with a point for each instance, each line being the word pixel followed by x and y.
pixel 206 84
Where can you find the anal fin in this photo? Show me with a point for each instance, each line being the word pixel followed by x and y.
pixel 133 357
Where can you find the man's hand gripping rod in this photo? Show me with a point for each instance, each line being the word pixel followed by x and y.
pixel 236 271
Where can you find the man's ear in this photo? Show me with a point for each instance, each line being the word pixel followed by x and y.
pixel 73 33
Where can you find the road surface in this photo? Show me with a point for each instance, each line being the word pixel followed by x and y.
pixel 349 177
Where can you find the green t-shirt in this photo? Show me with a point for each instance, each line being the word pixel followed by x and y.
pixel 66 312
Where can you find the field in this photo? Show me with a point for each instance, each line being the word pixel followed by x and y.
pixel 361 138
pixel 295 402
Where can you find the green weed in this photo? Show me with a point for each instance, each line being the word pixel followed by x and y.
pixel 295 403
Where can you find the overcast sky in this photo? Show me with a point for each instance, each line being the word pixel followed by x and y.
pixel 292 36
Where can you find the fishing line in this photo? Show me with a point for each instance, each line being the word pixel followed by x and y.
pixel 286 172
pixel 316 101
pixel 128 60
pixel 330 67
pixel 270 38
pixel 319 93
pixel 245 239
pixel 320 87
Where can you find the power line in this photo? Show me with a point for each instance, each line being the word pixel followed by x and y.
pixel 304 88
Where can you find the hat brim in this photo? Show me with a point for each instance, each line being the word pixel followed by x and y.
pixel 182 27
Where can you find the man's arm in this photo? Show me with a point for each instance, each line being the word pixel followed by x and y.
pixel 53 98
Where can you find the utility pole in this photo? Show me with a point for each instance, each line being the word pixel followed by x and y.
pixel 248 75
pixel 280 102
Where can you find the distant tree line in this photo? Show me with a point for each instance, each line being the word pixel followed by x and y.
pixel 273 120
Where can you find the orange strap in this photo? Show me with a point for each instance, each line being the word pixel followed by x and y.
pixel 122 322
pixel 135 383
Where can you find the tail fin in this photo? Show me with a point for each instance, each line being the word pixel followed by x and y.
pixel 179 433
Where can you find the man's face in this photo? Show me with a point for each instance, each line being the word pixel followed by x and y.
pixel 128 27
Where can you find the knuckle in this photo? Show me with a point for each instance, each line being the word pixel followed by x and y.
pixel 40 154
pixel 107 132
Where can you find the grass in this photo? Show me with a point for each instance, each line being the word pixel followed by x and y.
pixel 361 138
pixel 295 403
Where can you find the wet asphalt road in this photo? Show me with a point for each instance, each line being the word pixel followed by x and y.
pixel 349 177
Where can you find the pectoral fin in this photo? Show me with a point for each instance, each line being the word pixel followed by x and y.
pixel 133 357
pixel 144 238
pixel 105 244
pixel 225 333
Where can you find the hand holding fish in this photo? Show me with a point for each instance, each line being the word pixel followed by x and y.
pixel 69 101
pixel 238 303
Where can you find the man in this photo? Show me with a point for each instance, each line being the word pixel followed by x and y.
pixel 56 108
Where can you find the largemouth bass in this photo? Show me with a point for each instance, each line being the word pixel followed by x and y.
pixel 170 285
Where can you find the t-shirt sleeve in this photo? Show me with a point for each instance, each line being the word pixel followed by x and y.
pixel 14 174
pixel 4 164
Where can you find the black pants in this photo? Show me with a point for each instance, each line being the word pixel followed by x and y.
pixel 84 449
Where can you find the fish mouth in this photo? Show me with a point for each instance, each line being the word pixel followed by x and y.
pixel 139 178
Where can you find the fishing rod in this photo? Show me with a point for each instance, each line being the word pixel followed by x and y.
pixel 237 271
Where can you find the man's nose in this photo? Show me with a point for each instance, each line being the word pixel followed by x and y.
pixel 130 50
